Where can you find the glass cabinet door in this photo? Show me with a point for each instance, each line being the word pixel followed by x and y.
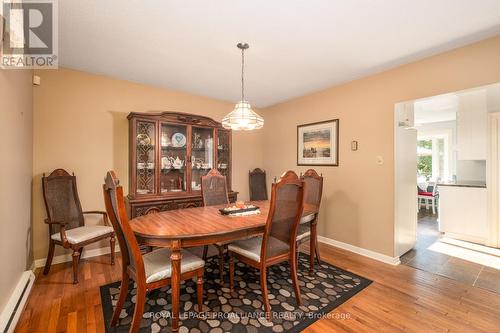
pixel 173 141
pixel 224 154
pixel 202 154
pixel 145 157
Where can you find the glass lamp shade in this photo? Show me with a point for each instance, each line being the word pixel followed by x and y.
pixel 243 118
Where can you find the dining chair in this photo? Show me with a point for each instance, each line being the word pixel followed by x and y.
pixel 313 189
pixel 431 195
pixel 278 243
pixel 214 192
pixel 151 270
pixel 66 221
pixel 257 184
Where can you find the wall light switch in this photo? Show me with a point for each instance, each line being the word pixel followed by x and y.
pixel 354 145
pixel 380 160
pixel 36 80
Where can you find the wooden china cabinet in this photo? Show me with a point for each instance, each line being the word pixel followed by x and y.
pixel 169 153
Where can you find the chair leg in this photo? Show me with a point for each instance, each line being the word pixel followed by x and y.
pixel 121 298
pixel 199 291
pixel 80 256
pixel 298 252
pixel 311 254
pixel 433 202
pixel 50 255
pixel 263 287
pixel 221 264
pixel 314 239
pixel 76 260
pixel 112 242
pixel 139 307
pixel 316 250
pixel 205 252
pixel 231 271
pixel 295 280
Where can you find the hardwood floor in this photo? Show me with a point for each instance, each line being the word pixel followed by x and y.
pixel 401 299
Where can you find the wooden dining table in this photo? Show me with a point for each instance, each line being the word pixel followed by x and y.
pixel 184 228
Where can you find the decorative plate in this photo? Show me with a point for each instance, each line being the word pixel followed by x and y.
pixel 143 139
pixel 178 140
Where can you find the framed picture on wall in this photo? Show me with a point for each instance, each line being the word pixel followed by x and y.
pixel 318 143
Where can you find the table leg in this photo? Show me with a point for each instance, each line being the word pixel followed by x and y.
pixel 175 258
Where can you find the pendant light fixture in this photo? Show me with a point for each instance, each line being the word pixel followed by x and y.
pixel 242 118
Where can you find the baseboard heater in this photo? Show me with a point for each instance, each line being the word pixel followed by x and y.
pixel 15 305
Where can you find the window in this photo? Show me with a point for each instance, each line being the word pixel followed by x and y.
pixel 424 158
pixel 433 157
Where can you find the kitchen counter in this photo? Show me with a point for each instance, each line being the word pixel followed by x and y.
pixel 477 184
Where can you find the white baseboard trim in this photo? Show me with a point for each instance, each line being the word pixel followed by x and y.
pixel 359 250
pixel 15 305
pixel 67 257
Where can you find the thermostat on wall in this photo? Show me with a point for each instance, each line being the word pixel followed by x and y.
pixel 36 80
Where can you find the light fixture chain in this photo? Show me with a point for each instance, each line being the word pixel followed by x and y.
pixel 242 74
pixel 242 117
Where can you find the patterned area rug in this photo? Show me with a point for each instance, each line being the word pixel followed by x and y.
pixel 241 310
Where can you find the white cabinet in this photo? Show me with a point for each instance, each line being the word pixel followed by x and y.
pixel 472 124
pixel 405 161
pixel 462 213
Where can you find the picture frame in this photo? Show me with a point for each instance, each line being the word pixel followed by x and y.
pixel 318 143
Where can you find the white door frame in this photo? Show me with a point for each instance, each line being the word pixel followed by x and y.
pixel 493 178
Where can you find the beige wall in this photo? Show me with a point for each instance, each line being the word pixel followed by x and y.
pixel 16 149
pixel 358 197
pixel 80 125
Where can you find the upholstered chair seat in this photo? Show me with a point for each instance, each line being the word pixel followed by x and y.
pixel 303 231
pixel 158 266
pixel 307 218
pixel 251 247
pixel 82 234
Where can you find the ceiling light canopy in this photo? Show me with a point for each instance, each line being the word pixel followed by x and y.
pixel 243 118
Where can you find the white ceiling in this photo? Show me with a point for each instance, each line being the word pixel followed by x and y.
pixel 436 109
pixel 296 47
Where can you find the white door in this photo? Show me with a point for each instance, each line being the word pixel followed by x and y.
pixel 405 164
